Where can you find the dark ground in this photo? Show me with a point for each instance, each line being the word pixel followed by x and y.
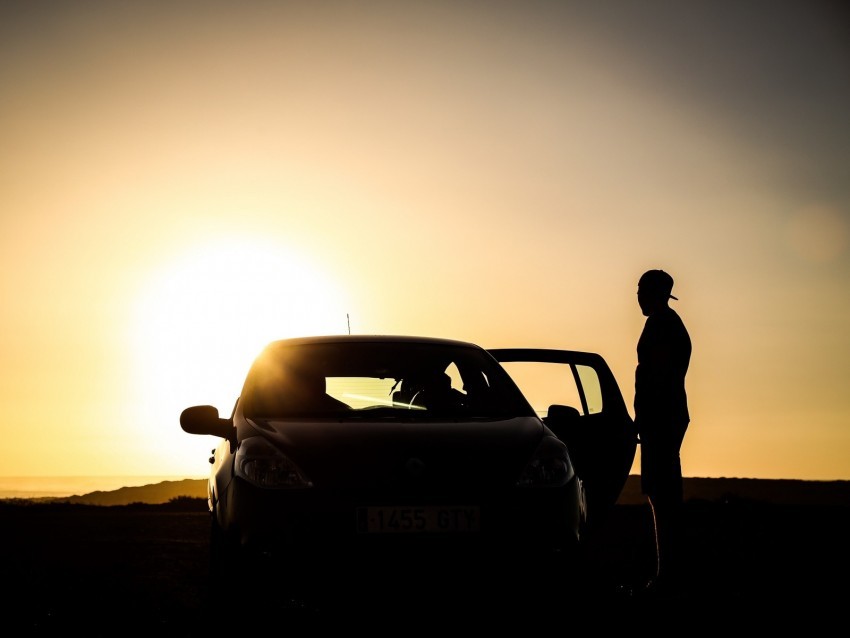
pixel 142 570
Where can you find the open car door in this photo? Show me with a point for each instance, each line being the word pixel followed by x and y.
pixel 578 398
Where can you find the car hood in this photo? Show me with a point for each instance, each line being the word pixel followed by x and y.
pixel 345 454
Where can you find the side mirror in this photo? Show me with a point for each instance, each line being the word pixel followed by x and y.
pixel 562 420
pixel 204 419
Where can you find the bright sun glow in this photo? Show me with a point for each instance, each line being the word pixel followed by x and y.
pixel 204 316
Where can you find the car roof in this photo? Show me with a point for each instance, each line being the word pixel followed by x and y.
pixel 377 338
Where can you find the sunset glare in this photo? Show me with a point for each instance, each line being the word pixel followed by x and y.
pixel 204 317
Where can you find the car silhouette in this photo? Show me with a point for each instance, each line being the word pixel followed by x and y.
pixel 352 459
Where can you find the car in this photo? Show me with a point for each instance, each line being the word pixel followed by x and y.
pixel 353 459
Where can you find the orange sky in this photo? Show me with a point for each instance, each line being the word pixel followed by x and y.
pixel 182 182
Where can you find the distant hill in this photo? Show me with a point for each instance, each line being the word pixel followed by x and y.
pixel 778 491
pixel 155 494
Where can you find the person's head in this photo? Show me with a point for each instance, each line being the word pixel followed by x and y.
pixel 654 291
pixel 308 383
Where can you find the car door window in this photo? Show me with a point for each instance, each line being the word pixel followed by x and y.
pixel 546 384
pixel 591 387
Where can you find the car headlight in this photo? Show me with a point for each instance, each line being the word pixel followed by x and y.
pixel 550 466
pixel 262 464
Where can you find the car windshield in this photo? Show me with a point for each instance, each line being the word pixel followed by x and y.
pixel 359 380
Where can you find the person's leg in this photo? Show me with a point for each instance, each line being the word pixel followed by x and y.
pixel 666 500
pixel 672 506
pixel 666 514
pixel 656 527
pixel 652 481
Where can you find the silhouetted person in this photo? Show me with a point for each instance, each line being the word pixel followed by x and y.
pixel 433 390
pixel 307 392
pixel 662 417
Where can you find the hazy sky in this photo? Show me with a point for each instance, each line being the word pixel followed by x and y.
pixel 181 182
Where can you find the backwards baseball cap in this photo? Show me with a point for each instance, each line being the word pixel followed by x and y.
pixel 657 281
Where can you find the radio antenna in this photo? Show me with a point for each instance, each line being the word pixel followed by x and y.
pixel 348 319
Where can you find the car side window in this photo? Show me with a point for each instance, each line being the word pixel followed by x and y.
pixel 592 388
pixel 545 384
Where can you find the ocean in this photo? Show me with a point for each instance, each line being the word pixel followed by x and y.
pixel 60 486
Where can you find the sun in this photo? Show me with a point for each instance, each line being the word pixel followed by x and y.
pixel 204 315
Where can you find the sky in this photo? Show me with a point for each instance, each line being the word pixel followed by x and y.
pixel 182 182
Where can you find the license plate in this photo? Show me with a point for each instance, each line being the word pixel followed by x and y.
pixel 419 520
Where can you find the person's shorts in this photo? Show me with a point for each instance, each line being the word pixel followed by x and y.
pixel 660 463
